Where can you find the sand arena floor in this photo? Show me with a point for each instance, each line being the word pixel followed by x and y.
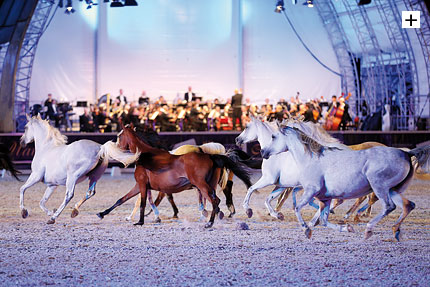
pixel 112 252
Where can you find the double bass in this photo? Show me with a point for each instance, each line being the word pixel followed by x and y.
pixel 335 114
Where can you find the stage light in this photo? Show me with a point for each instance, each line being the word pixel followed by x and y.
pixel 60 4
pixel 116 3
pixel 280 6
pixel 69 7
pixel 130 3
pixel 90 3
pixel 364 2
pixel 309 3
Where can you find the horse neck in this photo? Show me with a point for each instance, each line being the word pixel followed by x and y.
pixel 41 140
pixel 297 149
pixel 143 147
pixel 264 134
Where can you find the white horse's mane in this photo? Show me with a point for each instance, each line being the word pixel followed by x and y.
pixel 52 134
pixel 317 133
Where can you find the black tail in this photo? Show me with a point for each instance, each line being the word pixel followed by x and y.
pixel 238 155
pixel 6 163
pixel 422 158
pixel 238 169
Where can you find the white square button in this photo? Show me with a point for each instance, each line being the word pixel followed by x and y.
pixel 411 19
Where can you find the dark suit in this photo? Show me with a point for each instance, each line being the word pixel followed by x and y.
pixel 236 103
pixel 189 96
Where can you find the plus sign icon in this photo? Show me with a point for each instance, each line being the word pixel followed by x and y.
pixel 411 19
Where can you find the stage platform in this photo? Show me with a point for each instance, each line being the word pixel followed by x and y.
pixel 409 139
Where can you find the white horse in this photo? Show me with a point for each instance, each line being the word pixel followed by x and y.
pixel 56 163
pixel 327 173
pixel 280 169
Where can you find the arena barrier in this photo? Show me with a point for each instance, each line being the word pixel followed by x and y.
pixel 409 139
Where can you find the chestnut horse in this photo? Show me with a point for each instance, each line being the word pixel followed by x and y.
pixel 159 170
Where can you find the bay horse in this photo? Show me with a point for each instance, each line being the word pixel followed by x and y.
pixel 6 162
pixel 57 163
pixel 160 170
pixel 329 172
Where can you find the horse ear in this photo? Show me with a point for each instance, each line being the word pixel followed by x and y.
pixel 121 123
pixel 38 117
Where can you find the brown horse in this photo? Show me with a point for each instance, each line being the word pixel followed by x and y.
pixel 159 170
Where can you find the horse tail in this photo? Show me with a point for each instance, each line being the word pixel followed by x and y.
pixel 238 169
pixel 240 156
pixel 6 163
pixel 421 158
pixel 111 150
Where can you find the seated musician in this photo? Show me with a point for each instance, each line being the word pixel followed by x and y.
pixel 86 122
pixel 164 119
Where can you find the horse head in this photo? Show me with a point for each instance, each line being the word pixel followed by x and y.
pixel 126 138
pixel 250 133
pixel 28 135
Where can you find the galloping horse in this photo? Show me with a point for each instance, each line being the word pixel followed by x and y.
pixel 328 173
pixel 6 162
pixel 159 170
pixel 225 183
pixel 56 163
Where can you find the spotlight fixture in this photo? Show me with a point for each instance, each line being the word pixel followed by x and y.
pixel 309 3
pixel 130 3
pixel 116 3
pixel 279 6
pixel 90 3
pixel 69 7
pixel 60 4
pixel 364 2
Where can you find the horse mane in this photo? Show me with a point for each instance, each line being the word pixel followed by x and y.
pixel 317 133
pixel 213 148
pixel 53 134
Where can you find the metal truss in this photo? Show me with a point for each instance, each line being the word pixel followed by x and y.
pixel 27 53
pixel 373 76
pixel 401 72
pixel 339 40
pixel 3 50
pixel 423 35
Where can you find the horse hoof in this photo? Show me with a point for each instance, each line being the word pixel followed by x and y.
pixel 249 212
pixel 331 211
pixel 175 216
pixel 205 213
pixel 209 224
pixel 220 215
pixel 157 220
pixel 397 234
pixel 350 228
pixel 75 213
pixel 128 218
pixel 280 216
pixel 138 223
pixel 367 234
pixel 51 221
pixel 100 215
pixel 308 233
pixel 24 213
pixel 231 214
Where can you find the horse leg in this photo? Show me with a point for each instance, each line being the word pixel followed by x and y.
pixel 406 205
pixel 133 192
pixel 153 207
pixel 173 204
pixel 157 202
pixel 388 206
pixel 90 193
pixel 136 206
pixel 262 182
pixel 229 197
pixel 70 190
pixel 143 195
pixel 325 212
pixel 372 199
pixel 274 194
pixel 48 192
pixel 281 199
pixel 336 203
pixel 305 199
pixel 32 180
pixel 354 207
pixel 202 205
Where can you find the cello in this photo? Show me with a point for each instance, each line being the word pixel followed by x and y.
pixel 335 114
